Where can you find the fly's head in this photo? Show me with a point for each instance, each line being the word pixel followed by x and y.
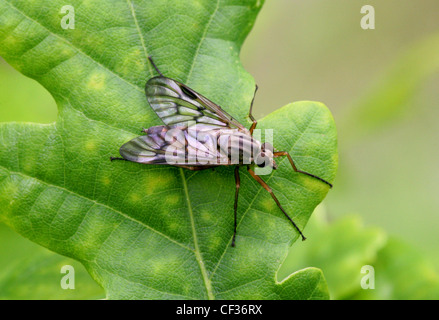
pixel 265 158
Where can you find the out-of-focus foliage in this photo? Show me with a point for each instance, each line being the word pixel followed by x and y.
pixel 28 271
pixel 23 99
pixel 341 248
pixel 382 87
pixel 403 273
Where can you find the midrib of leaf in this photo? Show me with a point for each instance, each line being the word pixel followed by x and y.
pixel 198 256
pixel 142 40
pixel 179 296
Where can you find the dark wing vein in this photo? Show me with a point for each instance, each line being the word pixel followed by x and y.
pixel 180 106
pixel 173 146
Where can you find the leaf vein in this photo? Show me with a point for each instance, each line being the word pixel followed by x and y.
pixel 75 47
pixel 102 205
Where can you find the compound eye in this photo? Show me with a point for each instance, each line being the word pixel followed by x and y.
pixel 261 160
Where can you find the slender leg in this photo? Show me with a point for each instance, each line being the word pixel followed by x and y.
pixel 238 183
pixel 253 126
pixel 266 187
pixel 155 67
pixel 286 154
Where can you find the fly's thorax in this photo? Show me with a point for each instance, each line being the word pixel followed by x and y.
pixel 244 131
pixel 238 147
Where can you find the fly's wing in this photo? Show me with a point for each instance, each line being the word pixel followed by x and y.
pixel 173 146
pixel 149 148
pixel 180 106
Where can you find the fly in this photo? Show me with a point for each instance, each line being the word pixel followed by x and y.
pixel 198 134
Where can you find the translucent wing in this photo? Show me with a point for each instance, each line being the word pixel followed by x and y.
pixel 173 146
pixel 149 148
pixel 180 106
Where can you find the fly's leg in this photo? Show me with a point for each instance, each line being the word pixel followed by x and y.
pixel 253 126
pixel 286 154
pixel 155 67
pixel 266 187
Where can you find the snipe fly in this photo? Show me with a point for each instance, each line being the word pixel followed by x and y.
pixel 198 134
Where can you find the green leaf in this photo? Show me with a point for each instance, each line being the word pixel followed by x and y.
pixel 30 271
pixel 153 232
pixel 402 273
pixel 340 249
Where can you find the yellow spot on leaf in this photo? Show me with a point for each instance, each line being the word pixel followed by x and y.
pixel 172 199
pixel 90 145
pixel 269 204
pixel 105 181
pixel 9 189
pixel 28 165
pixel 310 183
pixel 173 226
pixel 134 60
pixel 135 197
pixel 9 42
pixel 214 242
pixel 205 215
pixel 67 51
pixel 97 81
pixel 156 182
pixel 161 263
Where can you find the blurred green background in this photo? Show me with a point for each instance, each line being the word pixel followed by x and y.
pixel 316 50
pixel 382 87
